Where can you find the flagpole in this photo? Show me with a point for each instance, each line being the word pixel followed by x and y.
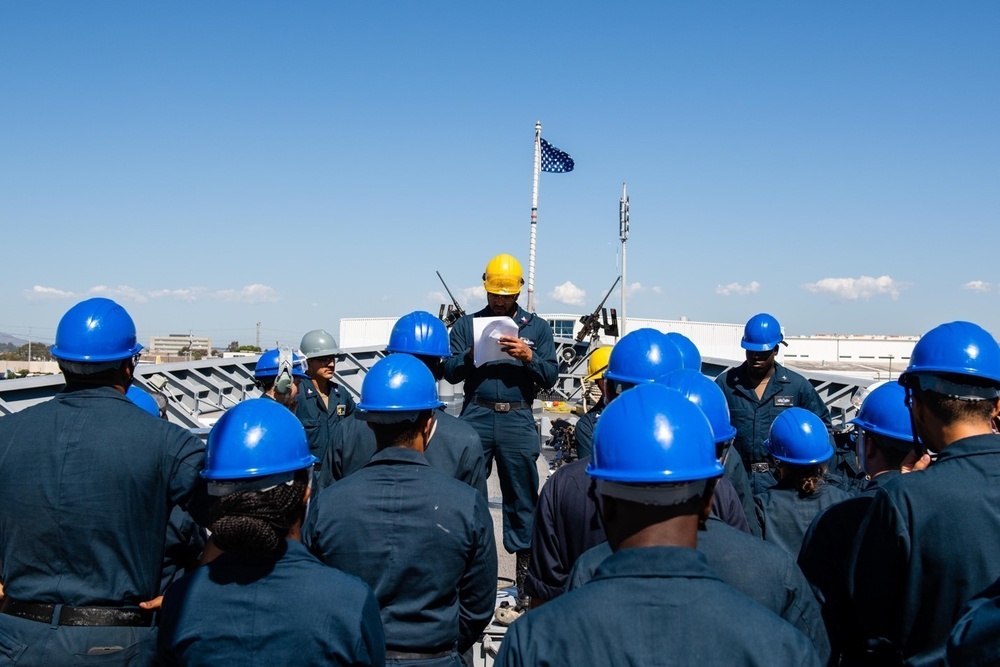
pixel 534 216
pixel 623 235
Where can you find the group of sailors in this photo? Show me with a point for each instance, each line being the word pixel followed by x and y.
pixel 706 522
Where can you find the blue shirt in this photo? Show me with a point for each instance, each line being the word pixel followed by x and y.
pixel 87 482
pixel 583 431
pixel 752 416
pixel 927 545
pixel 286 610
pixel 321 420
pixel 455 449
pixel 758 570
pixel 504 380
pixel 654 606
pixel 422 540
pixel 784 515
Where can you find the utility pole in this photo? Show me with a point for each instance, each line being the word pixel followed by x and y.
pixel 258 336
pixel 29 350
pixel 623 235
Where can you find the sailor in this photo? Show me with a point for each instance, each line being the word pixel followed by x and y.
pixel 760 389
pixel 499 397
pixel 883 437
pixel 454 449
pixel 86 487
pixel 975 639
pixel 690 355
pixel 421 539
pixel 800 444
pixel 278 373
pixel 928 543
pixel 583 431
pixel 322 403
pixel 265 600
pixel 655 596
pixel 567 521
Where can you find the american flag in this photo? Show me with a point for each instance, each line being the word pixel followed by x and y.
pixel 554 160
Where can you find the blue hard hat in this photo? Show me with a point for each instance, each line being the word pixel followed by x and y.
pixel 641 356
pixel 960 348
pixel 690 356
pixel 706 395
pixel 94 331
pixel 420 333
pixel 397 388
pixel 799 437
pixel 761 333
pixel 267 365
pixel 650 435
pixel 143 400
pixel 884 412
pixel 256 438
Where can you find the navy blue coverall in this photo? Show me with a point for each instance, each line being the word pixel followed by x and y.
pixel 424 543
pixel 319 420
pixel 568 523
pixel 654 606
pixel 975 639
pixel 507 432
pixel 927 545
pixel 87 482
pixel 583 432
pixel 784 515
pixel 823 557
pixel 752 417
pixel 759 570
pixel 286 610
pixel 454 449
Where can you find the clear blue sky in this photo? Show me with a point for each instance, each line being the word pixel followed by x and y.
pixel 215 164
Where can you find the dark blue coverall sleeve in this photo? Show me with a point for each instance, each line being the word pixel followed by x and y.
pixel 477 588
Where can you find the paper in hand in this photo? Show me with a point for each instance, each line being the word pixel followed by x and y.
pixel 487 331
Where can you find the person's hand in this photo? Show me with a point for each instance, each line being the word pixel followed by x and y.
pixel 915 463
pixel 152 605
pixel 516 348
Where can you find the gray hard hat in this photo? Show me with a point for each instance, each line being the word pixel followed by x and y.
pixel 318 343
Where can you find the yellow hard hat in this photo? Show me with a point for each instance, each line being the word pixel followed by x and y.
pixel 503 275
pixel 598 362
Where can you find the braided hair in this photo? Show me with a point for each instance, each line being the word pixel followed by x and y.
pixel 255 523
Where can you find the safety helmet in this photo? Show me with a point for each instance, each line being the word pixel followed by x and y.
pixel 420 333
pixel 503 275
pixel 257 439
pixel 319 343
pixel 642 356
pixel 706 395
pixel 799 437
pixel 690 356
pixel 269 364
pixel 598 362
pixel 959 348
pixel 652 434
pixel 143 400
pixel 397 388
pixel 95 331
pixel 884 412
pixel 761 333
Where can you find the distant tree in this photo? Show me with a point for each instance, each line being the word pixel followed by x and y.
pixel 234 346
pixel 248 348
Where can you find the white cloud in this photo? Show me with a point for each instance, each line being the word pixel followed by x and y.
pixel 657 290
pixel 737 289
pixel 634 288
pixel 41 292
pixel 255 293
pixel 182 294
pixel 977 286
pixel 119 293
pixel 470 297
pixel 853 289
pixel 569 294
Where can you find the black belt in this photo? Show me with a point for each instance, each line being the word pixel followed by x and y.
pixel 502 407
pixel 89 616
pixel 416 655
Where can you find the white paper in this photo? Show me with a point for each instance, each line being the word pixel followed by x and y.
pixel 487 331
